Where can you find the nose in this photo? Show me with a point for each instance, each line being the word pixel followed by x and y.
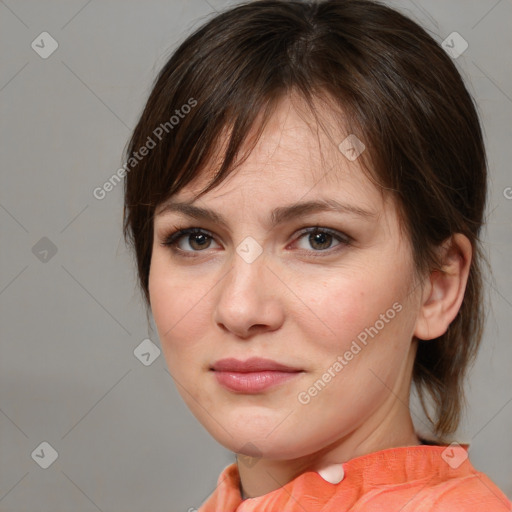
pixel 249 300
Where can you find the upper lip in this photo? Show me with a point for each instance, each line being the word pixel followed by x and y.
pixel 254 364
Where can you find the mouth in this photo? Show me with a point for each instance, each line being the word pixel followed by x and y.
pixel 253 375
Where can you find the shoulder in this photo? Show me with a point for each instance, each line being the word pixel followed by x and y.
pixel 471 493
pixel 426 479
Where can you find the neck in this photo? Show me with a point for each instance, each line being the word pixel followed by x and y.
pixel 392 428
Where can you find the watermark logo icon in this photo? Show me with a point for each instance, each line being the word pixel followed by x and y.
pixel 455 45
pixel 454 455
pixel 44 45
pixel 351 147
pixel 249 460
pixel 44 250
pixel 249 250
pixel 45 455
pixel 146 352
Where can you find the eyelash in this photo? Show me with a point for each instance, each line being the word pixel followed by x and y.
pixel 172 239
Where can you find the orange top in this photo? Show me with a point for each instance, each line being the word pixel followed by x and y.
pixel 406 479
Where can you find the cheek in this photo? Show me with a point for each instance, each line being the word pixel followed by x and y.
pixel 178 309
pixel 344 305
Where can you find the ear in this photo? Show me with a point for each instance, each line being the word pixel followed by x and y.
pixel 444 290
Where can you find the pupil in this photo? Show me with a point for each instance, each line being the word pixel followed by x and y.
pixel 320 238
pixel 200 243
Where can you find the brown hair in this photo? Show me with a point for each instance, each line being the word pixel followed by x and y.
pixel 401 94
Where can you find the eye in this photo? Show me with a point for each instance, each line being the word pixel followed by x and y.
pixel 321 239
pixel 196 238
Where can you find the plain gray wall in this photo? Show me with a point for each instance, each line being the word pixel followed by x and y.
pixel 70 321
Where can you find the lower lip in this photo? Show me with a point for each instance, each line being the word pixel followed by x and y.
pixel 253 382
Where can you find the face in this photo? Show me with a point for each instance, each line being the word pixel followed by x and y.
pixel 327 293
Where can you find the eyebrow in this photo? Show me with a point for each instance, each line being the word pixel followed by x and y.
pixel 279 215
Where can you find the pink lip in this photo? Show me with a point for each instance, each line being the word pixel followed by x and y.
pixel 253 375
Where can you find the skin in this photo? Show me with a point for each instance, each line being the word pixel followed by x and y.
pixel 298 309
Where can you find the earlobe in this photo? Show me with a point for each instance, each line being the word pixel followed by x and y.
pixel 444 291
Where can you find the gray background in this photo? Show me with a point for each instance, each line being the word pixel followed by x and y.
pixel 70 321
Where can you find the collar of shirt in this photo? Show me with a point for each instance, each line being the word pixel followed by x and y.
pixel 403 478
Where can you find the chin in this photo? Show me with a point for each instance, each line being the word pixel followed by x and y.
pixel 254 443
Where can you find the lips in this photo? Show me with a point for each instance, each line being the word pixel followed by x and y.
pixel 254 364
pixel 252 376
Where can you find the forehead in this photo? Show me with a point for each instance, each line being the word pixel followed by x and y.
pixel 297 156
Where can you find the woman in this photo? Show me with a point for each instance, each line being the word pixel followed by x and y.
pixel 306 220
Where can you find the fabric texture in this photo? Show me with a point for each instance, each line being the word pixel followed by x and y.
pixel 414 478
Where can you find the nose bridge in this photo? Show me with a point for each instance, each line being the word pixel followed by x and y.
pixel 245 298
pixel 248 270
